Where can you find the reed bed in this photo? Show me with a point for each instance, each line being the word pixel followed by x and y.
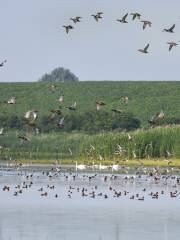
pixel 144 144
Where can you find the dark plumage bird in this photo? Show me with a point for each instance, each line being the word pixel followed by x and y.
pixel 145 49
pixel 146 23
pixel 97 16
pixel 68 28
pixel 76 19
pixel 2 63
pixel 171 45
pixel 135 15
pixel 170 30
pixel 123 20
pixel 116 110
pixel 23 138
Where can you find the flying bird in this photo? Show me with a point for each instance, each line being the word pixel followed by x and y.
pixel 23 138
pixel 115 110
pixel 170 30
pixel 123 20
pixel 99 105
pixel 146 23
pixel 11 101
pixel 76 19
pixel 1 131
pixel 171 45
pixel 2 63
pixel 31 116
pixel 54 113
pixel 145 49
pixel 72 107
pixel 52 88
pixel 61 99
pixel 135 15
pixel 61 123
pixel 68 28
pixel 97 16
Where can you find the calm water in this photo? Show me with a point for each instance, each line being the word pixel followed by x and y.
pixel 31 216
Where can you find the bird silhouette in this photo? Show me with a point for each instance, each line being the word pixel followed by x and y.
pixel 123 20
pixel 145 49
pixel 170 30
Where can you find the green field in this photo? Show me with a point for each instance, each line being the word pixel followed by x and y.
pixel 145 98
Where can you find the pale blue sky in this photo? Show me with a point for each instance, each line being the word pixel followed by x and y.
pixel 34 42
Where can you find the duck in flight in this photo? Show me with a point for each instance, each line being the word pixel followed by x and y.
pixel 136 15
pixel 170 30
pixel 171 45
pixel 2 63
pixel 97 16
pixel 76 19
pixel 72 107
pixel 145 49
pixel 99 105
pixel 68 28
pixel 146 23
pixel 123 20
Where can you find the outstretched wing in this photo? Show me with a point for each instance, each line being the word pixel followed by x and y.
pixel 146 48
pixel 172 28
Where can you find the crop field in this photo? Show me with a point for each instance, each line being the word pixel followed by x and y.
pixel 145 98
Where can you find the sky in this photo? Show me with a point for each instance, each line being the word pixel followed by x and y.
pixel 34 42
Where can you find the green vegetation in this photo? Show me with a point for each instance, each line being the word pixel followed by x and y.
pixel 105 131
pixel 149 144
pixel 145 98
pixel 59 75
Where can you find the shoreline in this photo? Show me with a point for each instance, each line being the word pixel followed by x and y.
pixel 71 163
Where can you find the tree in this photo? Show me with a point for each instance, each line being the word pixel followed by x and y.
pixel 59 75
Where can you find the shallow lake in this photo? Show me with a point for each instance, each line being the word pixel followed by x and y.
pixel 88 206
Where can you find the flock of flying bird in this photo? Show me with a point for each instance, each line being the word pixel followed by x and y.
pixel 30 117
pixel 146 23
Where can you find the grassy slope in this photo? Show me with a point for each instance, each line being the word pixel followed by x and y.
pixel 145 98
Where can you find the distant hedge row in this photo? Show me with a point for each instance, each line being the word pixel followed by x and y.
pixel 90 122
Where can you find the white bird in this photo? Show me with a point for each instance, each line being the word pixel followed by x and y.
pixel 31 115
pixel 61 99
pixel 115 167
pixel 102 167
pixel 12 100
pixel 1 131
pixel 61 123
pixel 80 166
